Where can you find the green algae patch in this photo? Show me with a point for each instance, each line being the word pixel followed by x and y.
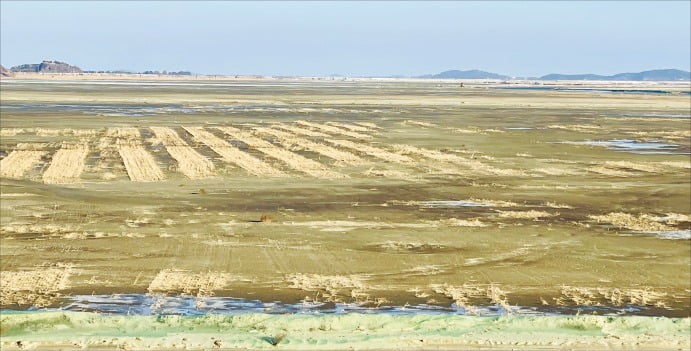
pixel 61 330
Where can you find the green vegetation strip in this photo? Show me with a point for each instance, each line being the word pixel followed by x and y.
pixel 57 330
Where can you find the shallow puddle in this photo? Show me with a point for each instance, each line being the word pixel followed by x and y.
pixel 592 90
pixel 144 304
pixel 452 204
pixel 675 234
pixel 654 115
pixel 632 146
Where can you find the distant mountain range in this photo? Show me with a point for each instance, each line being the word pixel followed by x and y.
pixel 658 75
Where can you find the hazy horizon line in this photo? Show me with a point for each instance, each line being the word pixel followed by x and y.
pixel 336 74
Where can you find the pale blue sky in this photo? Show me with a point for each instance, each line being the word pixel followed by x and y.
pixel 350 38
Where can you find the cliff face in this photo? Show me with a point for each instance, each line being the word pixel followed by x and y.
pixel 4 72
pixel 47 67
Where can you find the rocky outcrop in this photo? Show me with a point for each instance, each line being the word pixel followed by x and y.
pixel 28 67
pixel 57 67
pixel 47 67
pixel 4 72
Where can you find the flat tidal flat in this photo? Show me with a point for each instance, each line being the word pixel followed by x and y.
pixel 521 208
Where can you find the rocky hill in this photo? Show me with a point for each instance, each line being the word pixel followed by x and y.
pixel 47 67
pixel 471 74
pixel 4 72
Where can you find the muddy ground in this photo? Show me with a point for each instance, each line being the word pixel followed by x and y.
pixel 475 196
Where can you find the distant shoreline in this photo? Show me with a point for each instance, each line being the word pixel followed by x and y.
pixel 681 85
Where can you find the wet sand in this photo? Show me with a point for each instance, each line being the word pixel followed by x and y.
pixel 377 193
